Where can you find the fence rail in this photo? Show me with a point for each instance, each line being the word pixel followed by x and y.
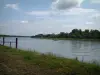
pixel 10 42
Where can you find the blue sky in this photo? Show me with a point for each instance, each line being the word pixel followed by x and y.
pixel 29 17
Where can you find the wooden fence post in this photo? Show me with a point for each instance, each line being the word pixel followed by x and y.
pixel 16 43
pixel 82 58
pixel 76 58
pixel 10 44
pixel 3 41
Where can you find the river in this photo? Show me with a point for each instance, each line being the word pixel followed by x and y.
pixel 85 50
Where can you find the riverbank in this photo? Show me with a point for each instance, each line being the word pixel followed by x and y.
pixel 20 62
pixel 70 39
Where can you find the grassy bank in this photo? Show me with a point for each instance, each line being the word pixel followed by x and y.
pixel 20 62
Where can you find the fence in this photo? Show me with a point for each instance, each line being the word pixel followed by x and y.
pixel 83 55
pixel 10 42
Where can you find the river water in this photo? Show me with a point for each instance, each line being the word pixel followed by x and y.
pixel 85 50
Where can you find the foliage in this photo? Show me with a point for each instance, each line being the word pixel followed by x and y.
pixel 75 33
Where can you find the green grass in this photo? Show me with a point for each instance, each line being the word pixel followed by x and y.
pixel 20 62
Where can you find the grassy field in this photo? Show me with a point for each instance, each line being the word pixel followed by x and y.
pixel 20 62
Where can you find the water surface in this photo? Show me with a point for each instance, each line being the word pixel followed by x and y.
pixel 84 50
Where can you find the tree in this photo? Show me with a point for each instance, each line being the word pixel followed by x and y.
pixel 75 33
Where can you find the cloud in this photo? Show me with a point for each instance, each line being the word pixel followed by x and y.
pixel 38 13
pixel 69 15
pixel 66 4
pixel 77 12
pixel 89 23
pixel 49 27
pixel 70 12
pixel 95 1
pixel 95 15
pixel 12 6
pixel 73 7
pixel 81 10
pixel 96 19
pixel 24 21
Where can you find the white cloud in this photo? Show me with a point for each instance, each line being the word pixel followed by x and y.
pixel 95 15
pixel 49 27
pixel 67 26
pixel 77 11
pixel 65 20
pixel 89 23
pixel 24 21
pixel 12 6
pixel 70 5
pixel 66 4
pixel 96 19
pixel 95 1
pixel 70 12
pixel 38 13
pixel 65 8
pixel 81 10
pixel 68 16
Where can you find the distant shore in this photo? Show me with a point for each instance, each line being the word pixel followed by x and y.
pixel 69 39
pixel 13 36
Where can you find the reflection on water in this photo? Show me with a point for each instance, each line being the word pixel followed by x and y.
pixel 84 50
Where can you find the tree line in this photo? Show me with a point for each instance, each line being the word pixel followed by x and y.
pixel 75 33
pixel 12 36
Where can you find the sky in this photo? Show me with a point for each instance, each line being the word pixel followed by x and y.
pixel 30 17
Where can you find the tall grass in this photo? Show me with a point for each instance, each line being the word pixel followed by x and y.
pixel 61 65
